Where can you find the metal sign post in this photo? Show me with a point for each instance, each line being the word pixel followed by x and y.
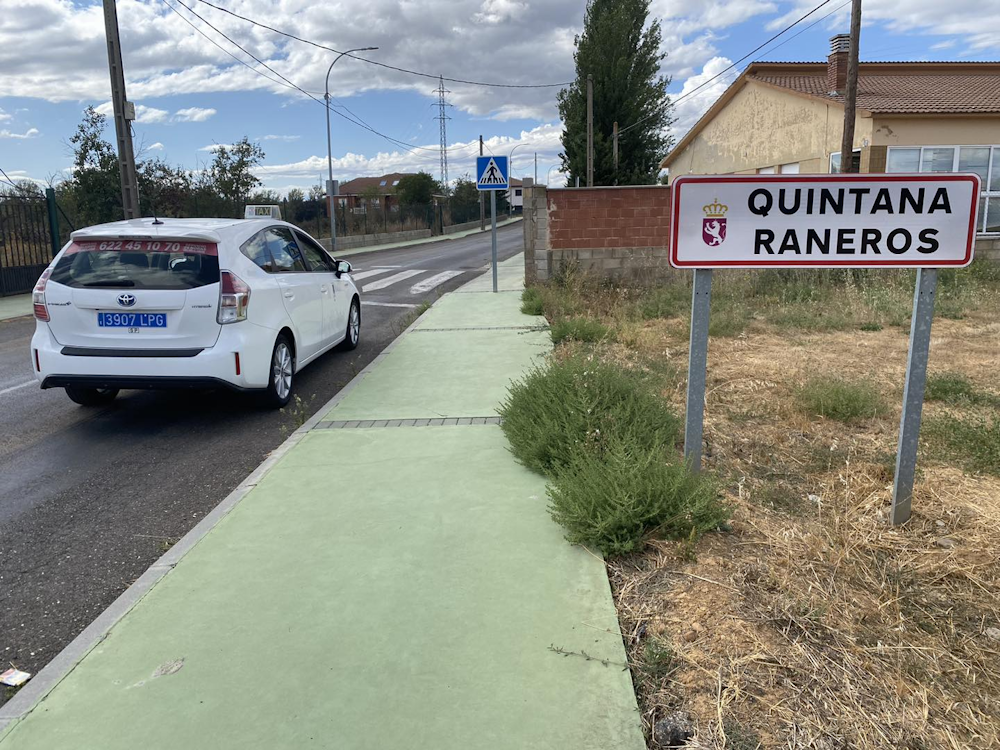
pixel 694 419
pixel 923 221
pixel 491 175
pixel 913 394
pixel 493 232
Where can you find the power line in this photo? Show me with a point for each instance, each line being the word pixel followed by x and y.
pixel 291 84
pixel 721 73
pixel 386 65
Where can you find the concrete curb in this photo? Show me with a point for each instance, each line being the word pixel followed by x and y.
pixel 66 660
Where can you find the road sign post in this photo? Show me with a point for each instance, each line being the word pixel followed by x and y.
pixel 922 221
pixel 694 418
pixel 491 175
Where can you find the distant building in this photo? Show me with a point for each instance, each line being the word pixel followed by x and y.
pixel 514 196
pixel 375 193
pixel 787 118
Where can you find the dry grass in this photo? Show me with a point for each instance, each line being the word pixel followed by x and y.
pixel 816 624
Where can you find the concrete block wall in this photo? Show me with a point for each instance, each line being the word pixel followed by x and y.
pixel 609 231
pixel 988 248
pixel 351 241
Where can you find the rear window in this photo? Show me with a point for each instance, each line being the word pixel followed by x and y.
pixel 138 264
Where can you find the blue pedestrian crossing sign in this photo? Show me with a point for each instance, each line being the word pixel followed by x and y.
pixel 491 173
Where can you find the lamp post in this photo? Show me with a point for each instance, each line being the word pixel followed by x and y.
pixel 329 148
pixel 549 173
pixel 510 159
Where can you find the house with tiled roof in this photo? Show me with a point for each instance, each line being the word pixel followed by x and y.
pixel 375 193
pixel 787 117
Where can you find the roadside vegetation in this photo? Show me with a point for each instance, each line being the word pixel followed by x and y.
pixel 812 622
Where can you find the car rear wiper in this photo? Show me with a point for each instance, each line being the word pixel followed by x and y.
pixel 117 282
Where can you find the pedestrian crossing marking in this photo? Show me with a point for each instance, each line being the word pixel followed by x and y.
pixel 373 272
pixel 390 280
pixel 427 284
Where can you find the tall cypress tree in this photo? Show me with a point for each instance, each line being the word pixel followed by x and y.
pixel 623 55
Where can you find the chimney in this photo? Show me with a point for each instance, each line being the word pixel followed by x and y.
pixel 836 63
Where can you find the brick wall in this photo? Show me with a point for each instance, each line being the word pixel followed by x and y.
pixel 611 231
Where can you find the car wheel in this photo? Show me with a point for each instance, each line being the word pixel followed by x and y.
pixel 353 335
pixel 282 371
pixel 91 396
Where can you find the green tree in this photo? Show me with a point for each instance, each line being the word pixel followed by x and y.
pixel 93 193
pixel 623 55
pixel 163 190
pixel 417 188
pixel 231 172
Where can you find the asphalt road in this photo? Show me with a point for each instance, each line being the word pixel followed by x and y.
pixel 90 497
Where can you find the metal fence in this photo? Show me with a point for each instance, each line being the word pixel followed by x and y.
pixel 29 239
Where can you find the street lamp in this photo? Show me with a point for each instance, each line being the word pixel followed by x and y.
pixel 547 174
pixel 329 148
pixel 510 159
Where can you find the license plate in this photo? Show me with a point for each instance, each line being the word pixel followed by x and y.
pixel 131 320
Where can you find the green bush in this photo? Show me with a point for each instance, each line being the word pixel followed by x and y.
pixel 587 330
pixel 950 387
pixel 531 302
pixel 843 400
pixel 551 413
pixel 610 498
pixel 666 301
pixel 973 441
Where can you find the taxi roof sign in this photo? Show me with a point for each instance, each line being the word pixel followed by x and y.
pixel 262 212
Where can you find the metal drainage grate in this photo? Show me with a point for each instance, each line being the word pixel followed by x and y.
pixel 348 424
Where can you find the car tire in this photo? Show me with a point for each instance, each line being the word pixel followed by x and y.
pixel 353 335
pixel 91 396
pixel 281 374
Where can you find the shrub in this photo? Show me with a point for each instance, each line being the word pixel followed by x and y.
pixel 871 326
pixel 610 498
pixel 843 400
pixel 951 387
pixel 552 412
pixel 531 302
pixel 587 330
pixel 667 301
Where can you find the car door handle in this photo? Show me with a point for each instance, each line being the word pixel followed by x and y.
pixel 289 295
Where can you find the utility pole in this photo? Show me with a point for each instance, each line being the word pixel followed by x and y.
pixel 124 112
pixel 536 167
pixel 615 142
pixel 851 91
pixel 590 130
pixel 482 204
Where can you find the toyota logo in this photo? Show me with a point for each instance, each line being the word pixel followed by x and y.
pixel 126 300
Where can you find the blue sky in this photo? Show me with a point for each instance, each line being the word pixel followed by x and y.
pixel 192 95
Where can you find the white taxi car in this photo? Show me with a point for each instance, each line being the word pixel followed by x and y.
pixel 189 303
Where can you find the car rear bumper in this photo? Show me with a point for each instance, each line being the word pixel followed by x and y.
pixel 213 367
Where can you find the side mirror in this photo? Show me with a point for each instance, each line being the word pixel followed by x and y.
pixel 343 267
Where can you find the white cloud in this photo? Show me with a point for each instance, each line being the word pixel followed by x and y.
pixel 4 116
pixel 155 147
pixel 29 133
pixel 193 114
pixel 498 11
pixel 280 137
pixel 215 146
pixel 143 115
pixel 544 139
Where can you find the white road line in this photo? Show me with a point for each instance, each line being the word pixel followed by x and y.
pixel 373 272
pixel 389 281
pixel 18 387
pixel 427 284
pixel 385 304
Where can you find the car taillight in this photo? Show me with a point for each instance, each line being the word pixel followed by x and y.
pixel 234 298
pixel 38 296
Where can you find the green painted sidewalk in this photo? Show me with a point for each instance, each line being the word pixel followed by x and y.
pixel 378 588
pixel 16 306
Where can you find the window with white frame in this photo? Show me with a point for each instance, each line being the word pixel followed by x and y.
pixel 855 161
pixel 983 160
